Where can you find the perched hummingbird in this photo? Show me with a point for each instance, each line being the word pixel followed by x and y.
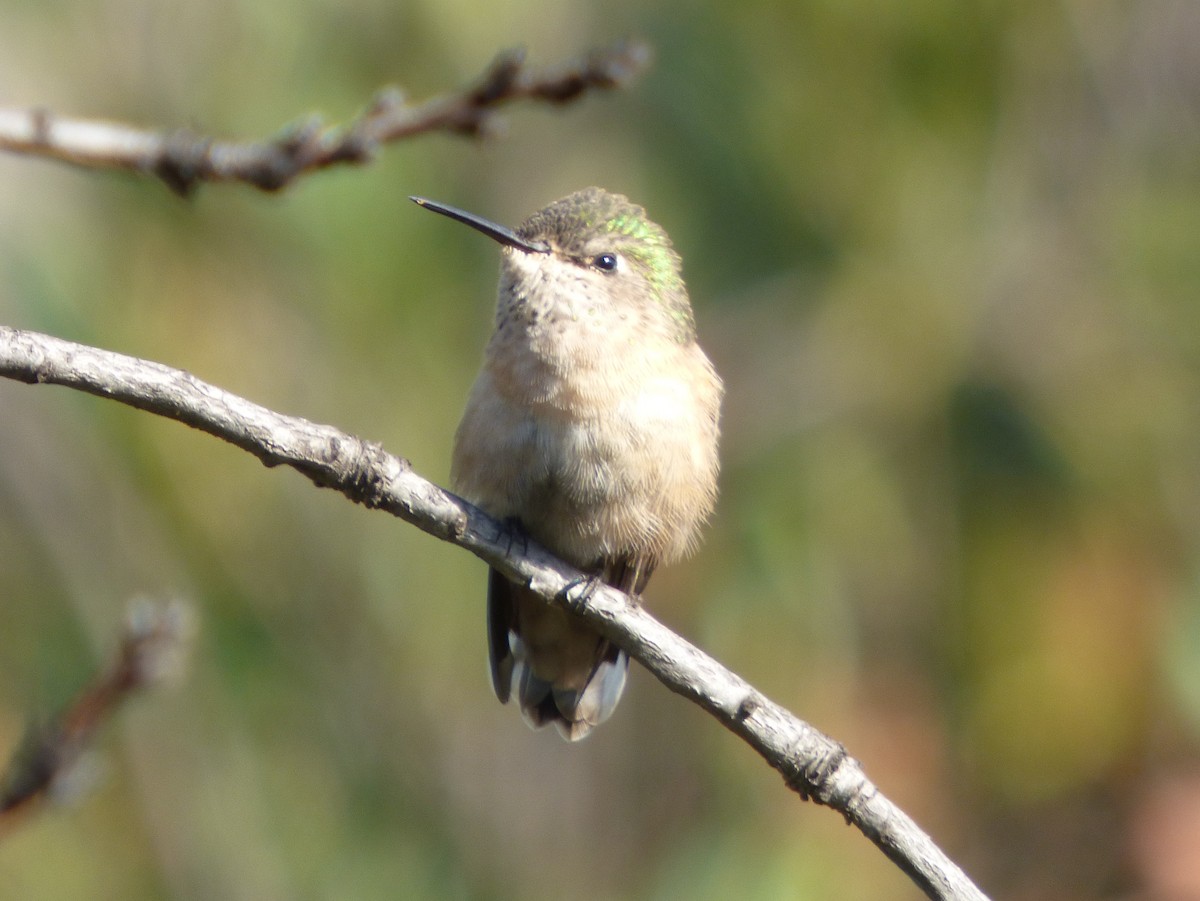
pixel 594 424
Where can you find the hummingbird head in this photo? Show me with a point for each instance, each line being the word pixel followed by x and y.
pixel 595 245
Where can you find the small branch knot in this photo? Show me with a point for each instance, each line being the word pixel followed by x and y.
pixel 747 707
pixel 811 774
pixel 364 480
pixel 500 77
pixel 43 121
pixel 183 162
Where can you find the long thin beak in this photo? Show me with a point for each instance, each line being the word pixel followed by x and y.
pixel 496 232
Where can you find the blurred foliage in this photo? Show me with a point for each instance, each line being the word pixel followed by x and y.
pixel 945 256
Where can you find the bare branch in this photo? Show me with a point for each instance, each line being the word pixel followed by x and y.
pixel 153 642
pixel 184 159
pixel 811 763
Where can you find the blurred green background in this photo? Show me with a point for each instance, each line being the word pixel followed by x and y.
pixel 946 256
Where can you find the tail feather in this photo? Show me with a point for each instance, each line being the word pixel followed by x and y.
pixel 581 711
pixel 501 618
pixel 560 671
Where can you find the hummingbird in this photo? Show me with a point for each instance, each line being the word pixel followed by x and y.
pixel 593 427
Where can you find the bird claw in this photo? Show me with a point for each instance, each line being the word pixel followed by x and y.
pixel 578 592
pixel 513 532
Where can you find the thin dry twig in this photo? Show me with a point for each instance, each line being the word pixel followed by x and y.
pixel 811 763
pixel 184 159
pixel 154 640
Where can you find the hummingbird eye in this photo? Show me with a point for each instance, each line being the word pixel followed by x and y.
pixel 606 262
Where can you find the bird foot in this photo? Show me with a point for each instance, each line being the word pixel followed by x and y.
pixel 579 591
pixel 514 534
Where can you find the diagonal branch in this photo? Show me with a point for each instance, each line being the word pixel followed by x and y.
pixel 152 646
pixel 184 159
pixel 811 763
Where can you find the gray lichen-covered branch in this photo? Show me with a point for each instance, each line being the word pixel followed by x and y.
pixel 184 159
pixel 811 763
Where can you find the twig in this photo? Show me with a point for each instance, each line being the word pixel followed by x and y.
pixel 811 763
pixel 152 645
pixel 184 159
